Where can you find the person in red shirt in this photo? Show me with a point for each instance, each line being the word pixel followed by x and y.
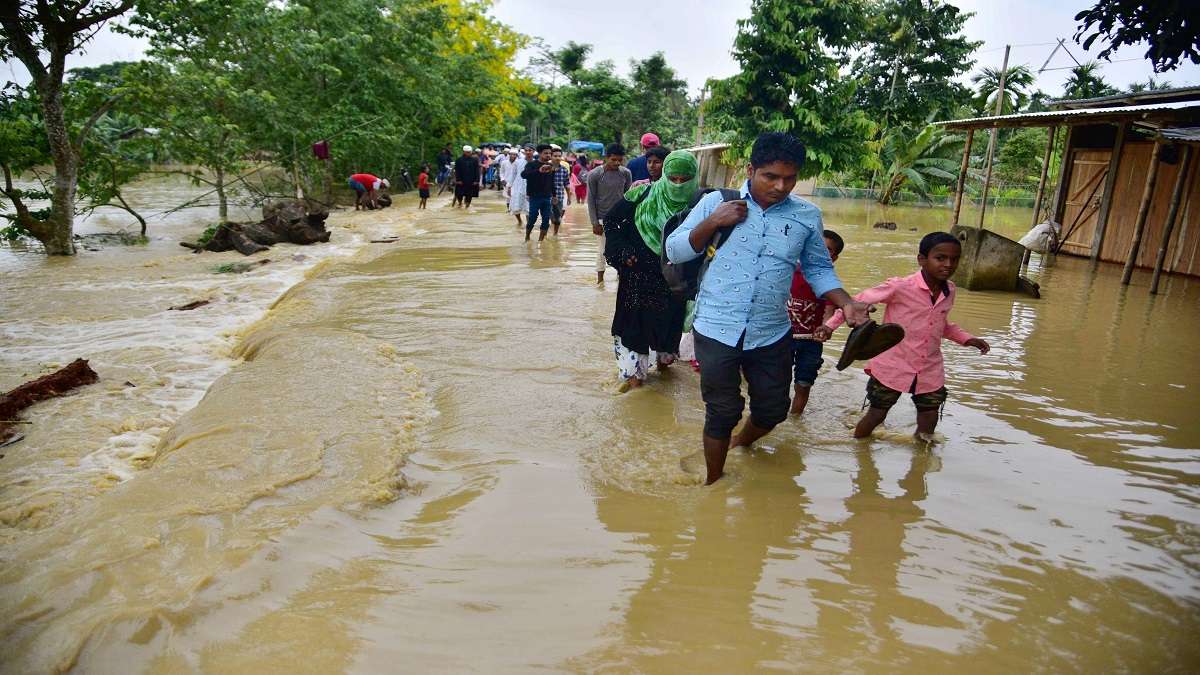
pixel 808 312
pixel 423 185
pixel 366 189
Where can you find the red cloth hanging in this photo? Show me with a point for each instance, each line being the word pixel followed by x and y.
pixel 321 149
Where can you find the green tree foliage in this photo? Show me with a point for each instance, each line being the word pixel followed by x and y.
pixel 571 100
pixel 1169 27
pixel 387 83
pixel 790 53
pixel 1150 84
pixel 1086 82
pixel 41 35
pixel 914 52
pixel 917 161
pixel 1016 89
pixel 1020 158
pixel 660 102
pixel 111 154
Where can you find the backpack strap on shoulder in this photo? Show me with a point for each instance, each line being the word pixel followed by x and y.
pixel 730 195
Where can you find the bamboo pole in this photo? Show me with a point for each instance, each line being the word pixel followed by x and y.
pixel 962 176
pixel 1169 226
pixel 1139 227
pixel 1114 161
pixel 987 170
pixel 1041 191
pixel 1064 179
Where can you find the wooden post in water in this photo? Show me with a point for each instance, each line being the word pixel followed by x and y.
pixel 987 167
pixel 1139 226
pixel 1114 161
pixel 1037 203
pixel 1185 163
pixel 1064 178
pixel 962 176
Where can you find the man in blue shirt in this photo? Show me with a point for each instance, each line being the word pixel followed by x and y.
pixel 741 323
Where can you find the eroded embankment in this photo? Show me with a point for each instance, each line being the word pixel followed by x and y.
pixel 312 418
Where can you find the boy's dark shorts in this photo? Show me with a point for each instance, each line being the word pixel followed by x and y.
pixel 881 396
pixel 424 192
pixel 806 361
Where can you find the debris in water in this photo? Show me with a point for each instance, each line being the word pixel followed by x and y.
pixel 77 374
pixel 239 267
pixel 294 221
pixel 884 225
pixel 189 306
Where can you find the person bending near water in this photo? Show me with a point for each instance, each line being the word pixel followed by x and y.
pixel 606 186
pixel 648 316
pixel 654 165
pixel 539 186
pixel 807 311
pixel 741 325
pixel 466 177
pixel 366 189
pixel 921 303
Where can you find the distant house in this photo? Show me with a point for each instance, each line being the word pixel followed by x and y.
pixel 1107 171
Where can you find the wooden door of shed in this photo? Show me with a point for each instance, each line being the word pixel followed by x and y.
pixel 1088 169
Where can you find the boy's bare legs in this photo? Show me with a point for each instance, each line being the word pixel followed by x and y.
pixel 926 422
pixel 867 424
pixel 800 399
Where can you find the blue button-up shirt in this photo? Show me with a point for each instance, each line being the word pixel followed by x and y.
pixel 746 287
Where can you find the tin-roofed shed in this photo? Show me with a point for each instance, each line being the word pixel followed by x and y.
pixel 1128 176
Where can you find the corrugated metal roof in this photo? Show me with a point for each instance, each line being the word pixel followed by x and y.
pixel 1185 134
pixel 1129 98
pixel 1132 112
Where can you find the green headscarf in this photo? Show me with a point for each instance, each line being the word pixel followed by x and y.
pixel 665 198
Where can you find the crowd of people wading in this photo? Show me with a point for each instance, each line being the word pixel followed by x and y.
pixel 739 282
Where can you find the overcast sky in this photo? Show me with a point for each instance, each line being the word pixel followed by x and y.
pixel 696 37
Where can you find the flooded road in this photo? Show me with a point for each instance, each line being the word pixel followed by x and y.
pixel 417 460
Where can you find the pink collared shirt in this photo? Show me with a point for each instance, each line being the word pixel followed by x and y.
pixel 925 323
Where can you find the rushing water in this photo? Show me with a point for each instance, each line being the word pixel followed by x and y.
pixel 417 460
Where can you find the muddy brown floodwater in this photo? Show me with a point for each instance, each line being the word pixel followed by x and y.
pixel 417 460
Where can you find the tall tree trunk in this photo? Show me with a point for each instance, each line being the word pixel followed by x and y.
pixel 56 232
pixel 890 191
pixel 222 201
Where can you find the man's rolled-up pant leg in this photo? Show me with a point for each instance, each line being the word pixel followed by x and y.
pixel 601 263
pixel 768 371
pixel 720 385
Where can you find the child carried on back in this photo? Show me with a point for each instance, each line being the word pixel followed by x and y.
pixel 920 303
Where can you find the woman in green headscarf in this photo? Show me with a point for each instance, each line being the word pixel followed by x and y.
pixel 647 318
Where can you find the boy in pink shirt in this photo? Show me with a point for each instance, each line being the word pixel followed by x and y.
pixel 920 303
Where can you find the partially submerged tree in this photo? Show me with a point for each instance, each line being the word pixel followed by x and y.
pixel 916 161
pixel 41 35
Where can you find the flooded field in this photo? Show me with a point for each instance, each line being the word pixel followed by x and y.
pixel 413 456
